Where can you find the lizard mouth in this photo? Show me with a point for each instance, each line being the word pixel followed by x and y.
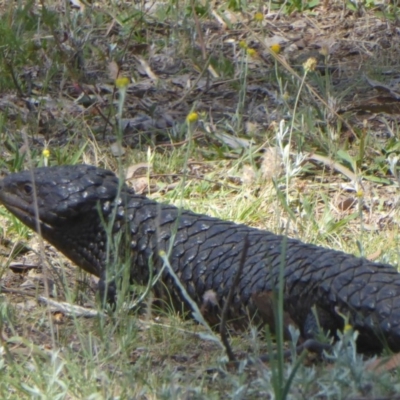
pixel 22 210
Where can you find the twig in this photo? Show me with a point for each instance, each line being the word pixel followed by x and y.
pixel 69 309
pixel 199 31
pixel 181 143
pixel 64 307
pixel 235 281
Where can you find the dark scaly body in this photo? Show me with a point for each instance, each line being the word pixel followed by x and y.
pixel 206 253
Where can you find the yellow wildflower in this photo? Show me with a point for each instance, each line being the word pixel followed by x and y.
pixel 243 44
pixel 310 64
pixel 192 117
pixel 251 52
pixel 122 82
pixel 347 328
pixel 276 48
pixel 46 153
pixel 286 95
pixel 258 16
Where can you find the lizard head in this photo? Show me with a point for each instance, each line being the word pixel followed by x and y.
pixel 57 196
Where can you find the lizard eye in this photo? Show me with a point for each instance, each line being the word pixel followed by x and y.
pixel 28 188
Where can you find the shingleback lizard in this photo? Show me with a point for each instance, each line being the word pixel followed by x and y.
pixel 205 254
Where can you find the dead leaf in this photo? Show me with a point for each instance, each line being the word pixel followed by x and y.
pixel 346 204
pixel 140 185
pixel 332 164
pixel 374 256
pixel 219 19
pixel 137 169
pixel 113 70
pixel 233 141
pixel 212 71
pixel 231 16
pixel 19 267
pixel 146 68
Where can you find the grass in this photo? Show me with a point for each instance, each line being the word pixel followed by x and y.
pixel 60 95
